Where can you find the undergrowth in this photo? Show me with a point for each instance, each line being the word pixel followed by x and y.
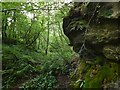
pixel 26 68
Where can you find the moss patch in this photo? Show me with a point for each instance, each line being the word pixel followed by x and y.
pixel 94 76
pixel 105 74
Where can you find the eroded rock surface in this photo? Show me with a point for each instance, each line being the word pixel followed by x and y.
pixel 96 24
pixel 97 27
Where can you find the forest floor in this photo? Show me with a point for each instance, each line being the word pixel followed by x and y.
pixel 64 80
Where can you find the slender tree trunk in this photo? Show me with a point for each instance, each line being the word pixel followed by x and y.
pixel 34 39
pixel 48 32
pixel 60 33
pixel 29 30
pixel 4 26
pixel 13 25
pixel 39 43
pixel 11 29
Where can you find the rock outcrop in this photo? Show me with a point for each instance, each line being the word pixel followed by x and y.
pixel 93 30
pixel 97 25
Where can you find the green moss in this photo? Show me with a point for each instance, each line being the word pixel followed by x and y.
pixel 105 72
pixel 99 60
pixel 75 76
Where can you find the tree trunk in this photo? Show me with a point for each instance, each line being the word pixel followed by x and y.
pixel 47 44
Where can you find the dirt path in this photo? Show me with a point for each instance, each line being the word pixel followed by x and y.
pixel 63 81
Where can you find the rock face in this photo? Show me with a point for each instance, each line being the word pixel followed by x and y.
pixel 97 26
pixel 93 30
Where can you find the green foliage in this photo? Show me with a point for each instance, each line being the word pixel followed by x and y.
pixel 22 63
pixel 16 64
pixel 45 81
pixel 27 37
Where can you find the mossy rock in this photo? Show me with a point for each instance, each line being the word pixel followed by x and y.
pixel 96 75
pixel 106 74
pixel 112 52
